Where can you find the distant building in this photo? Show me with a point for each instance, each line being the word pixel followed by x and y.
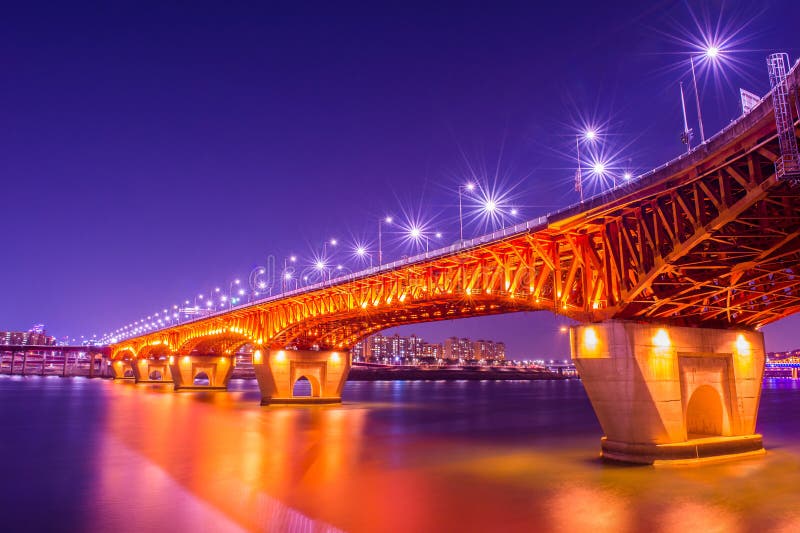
pixel 458 348
pixel 380 348
pixel 36 336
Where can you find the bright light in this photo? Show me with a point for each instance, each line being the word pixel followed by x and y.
pixel 415 233
pixel 590 135
pixel 590 339
pixel 262 285
pixel 514 211
pixel 339 267
pixel 216 290
pixel 742 346
pixel 209 303
pixel 712 52
pixel 293 258
pixel 627 175
pixel 438 234
pixel 319 265
pixel 241 292
pixel 334 242
pixel 470 186
pixel 288 275
pixel 261 270
pixel 236 281
pixel 388 220
pixel 599 168
pixel 490 206
pixel 661 339
pixel 361 251
pixel 280 356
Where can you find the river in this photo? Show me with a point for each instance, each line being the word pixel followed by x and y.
pixel 97 455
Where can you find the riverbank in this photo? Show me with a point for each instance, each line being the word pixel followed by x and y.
pixel 382 373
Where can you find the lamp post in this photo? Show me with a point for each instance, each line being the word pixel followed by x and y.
pixel 230 292
pixel 323 261
pixel 587 135
pixel 381 221
pixel 470 187
pixel 711 52
pixel 286 260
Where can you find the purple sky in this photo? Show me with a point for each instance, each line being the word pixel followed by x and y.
pixel 152 152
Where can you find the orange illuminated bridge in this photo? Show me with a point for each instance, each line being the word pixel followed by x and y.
pixel 670 276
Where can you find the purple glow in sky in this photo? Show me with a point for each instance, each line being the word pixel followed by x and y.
pixel 152 152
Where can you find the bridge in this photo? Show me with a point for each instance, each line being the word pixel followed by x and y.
pixel 669 275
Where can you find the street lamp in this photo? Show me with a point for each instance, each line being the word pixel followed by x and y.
pixel 470 187
pixel 320 266
pixel 287 274
pixel 361 252
pixel 416 234
pixel 711 52
pixel 589 135
pixel 381 221
pixel 230 292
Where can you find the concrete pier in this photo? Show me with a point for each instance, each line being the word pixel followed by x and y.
pixel 277 372
pixel 154 370
pixel 666 394
pixel 200 372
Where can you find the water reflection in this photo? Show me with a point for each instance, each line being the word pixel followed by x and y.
pixel 416 456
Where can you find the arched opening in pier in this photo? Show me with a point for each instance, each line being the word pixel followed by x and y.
pixel 704 413
pixel 128 373
pixel 155 375
pixel 201 379
pixel 306 386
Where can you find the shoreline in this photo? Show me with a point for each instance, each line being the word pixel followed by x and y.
pixel 360 373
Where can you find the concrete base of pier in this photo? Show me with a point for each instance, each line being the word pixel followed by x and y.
pixel 200 372
pixel 698 450
pixel 151 371
pixel 671 394
pixel 278 371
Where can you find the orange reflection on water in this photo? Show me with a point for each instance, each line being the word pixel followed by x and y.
pixel 219 461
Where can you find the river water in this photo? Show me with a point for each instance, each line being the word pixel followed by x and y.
pixel 97 455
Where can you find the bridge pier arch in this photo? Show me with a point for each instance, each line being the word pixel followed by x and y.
pixel 666 394
pixel 200 372
pixel 122 369
pixel 151 371
pixel 277 371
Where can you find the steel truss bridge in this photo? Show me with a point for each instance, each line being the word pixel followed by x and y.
pixel 707 241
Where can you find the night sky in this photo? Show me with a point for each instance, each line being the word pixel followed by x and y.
pixel 149 153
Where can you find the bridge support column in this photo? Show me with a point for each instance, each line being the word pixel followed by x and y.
pixel 794 373
pixel 200 372
pixel 121 369
pixel 671 394
pixel 277 371
pixel 151 371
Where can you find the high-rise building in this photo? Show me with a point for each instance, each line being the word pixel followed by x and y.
pixel 37 336
pixel 379 348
